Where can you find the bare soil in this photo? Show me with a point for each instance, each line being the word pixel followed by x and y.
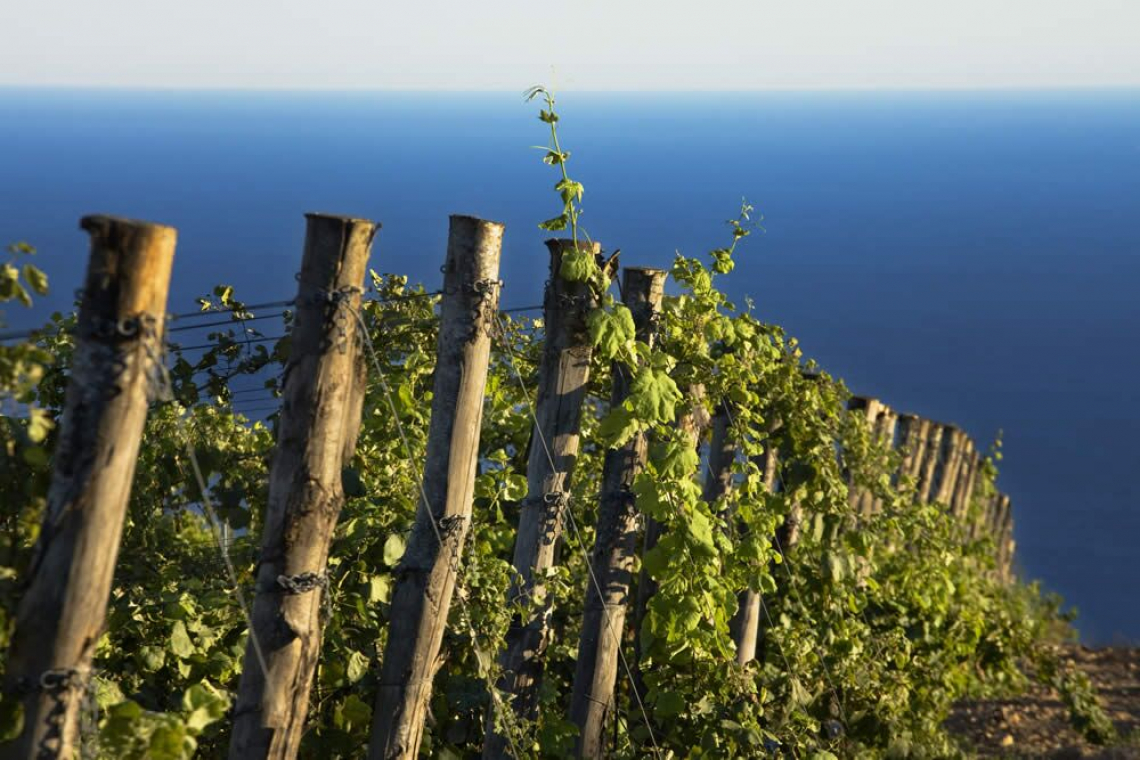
pixel 1036 725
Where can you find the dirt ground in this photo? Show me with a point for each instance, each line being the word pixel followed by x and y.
pixel 1036 724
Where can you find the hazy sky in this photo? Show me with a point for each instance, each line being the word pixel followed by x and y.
pixel 591 44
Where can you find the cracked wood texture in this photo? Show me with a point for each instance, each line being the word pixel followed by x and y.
pixel 320 416
pixel 427 573
pixel 562 379
pixel 614 552
pixel 61 614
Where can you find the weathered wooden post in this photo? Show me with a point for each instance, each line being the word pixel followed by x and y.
pixel 881 424
pixel 691 424
pixel 963 494
pixel 1004 538
pixel 745 625
pixel 320 417
pixel 928 469
pixel 615 547
pixel 913 432
pixel 950 462
pixel 562 379
pixel 722 454
pixel 884 431
pixel 117 356
pixel 427 573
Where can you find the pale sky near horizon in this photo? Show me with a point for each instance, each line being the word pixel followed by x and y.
pixel 587 44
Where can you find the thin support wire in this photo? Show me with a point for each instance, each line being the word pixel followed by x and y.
pixel 216 526
pixel 581 545
pixel 483 658
pixel 792 588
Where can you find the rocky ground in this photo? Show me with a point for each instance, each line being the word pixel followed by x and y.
pixel 1036 725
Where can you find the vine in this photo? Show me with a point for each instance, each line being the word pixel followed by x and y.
pixel 871 626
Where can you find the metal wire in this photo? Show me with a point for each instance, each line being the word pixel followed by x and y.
pixel 216 524
pixel 508 715
pixel 581 545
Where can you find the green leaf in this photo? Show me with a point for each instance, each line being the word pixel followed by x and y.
pixel 36 456
pixel 701 531
pixel 166 742
pixel 676 459
pixel 203 705
pixel 669 704
pixel 617 427
pixel 570 190
pixel 36 278
pixel 11 717
pixel 554 158
pixel 577 266
pixel 394 547
pixel 357 666
pixel 654 396
pixel 353 713
pixel 514 487
pixel 555 224
pixel 152 658
pixel 180 640
pixel 611 332
pixel 40 424
pixel 379 589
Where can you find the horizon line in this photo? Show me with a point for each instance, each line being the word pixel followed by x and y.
pixel 272 89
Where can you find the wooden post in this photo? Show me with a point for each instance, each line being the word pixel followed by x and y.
pixel 614 550
pixel 562 379
pixel 950 461
pixel 1003 538
pixel 881 423
pixel 745 625
pixel 691 424
pixel 964 488
pixel 722 453
pixel 119 347
pixel 884 431
pixel 913 432
pixel 929 466
pixel 427 573
pixel 315 440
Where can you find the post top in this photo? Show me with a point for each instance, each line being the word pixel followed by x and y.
pixel 592 246
pixel 341 218
pixel 477 220
pixel 99 222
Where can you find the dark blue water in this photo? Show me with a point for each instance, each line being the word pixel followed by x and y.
pixel 972 258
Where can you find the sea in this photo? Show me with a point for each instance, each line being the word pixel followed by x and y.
pixel 972 257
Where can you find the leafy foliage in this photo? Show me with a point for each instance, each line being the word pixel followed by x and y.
pixel 872 626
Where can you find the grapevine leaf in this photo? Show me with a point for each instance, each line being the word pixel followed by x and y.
pixel 394 547
pixel 653 396
pixel 610 331
pixel 577 266
pixel 180 640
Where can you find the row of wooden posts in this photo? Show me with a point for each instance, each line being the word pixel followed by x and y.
pixel 62 611
pixel 946 467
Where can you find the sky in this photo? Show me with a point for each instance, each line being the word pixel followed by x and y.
pixel 584 44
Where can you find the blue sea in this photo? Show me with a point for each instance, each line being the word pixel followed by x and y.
pixel 970 257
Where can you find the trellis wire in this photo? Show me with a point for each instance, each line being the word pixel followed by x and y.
pixel 484 659
pixel 792 589
pixel 581 544
pixel 216 525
